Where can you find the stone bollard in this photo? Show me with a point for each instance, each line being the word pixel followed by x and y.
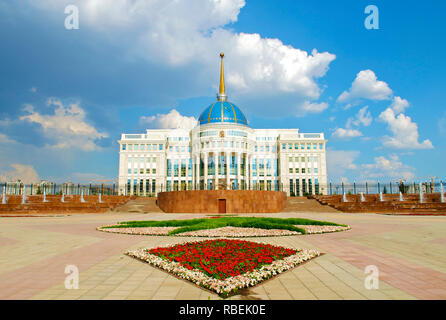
pixel 82 196
pixel 24 195
pixel 442 192
pixel 100 198
pixel 63 197
pixel 4 196
pixel 44 196
pixel 362 197
pixel 344 198
pixel 401 197
pixel 381 198
pixel 421 193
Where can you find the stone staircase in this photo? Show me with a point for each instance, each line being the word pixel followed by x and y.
pixel 72 204
pixel 139 205
pixel 303 204
pixel 391 204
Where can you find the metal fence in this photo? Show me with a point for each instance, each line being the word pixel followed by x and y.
pixel 385 188
pixel 57 189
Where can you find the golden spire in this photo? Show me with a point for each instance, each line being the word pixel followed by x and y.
pixel 222 94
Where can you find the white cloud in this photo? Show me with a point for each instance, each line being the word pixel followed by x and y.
pixel 173 33
pixel 4 139
pixel 363 117
pixel 399 105
pixel 405 132
pixel 340 161
pixel 25 173
pixel 171 120
pixel 366 86
pixel 33 89
pixel 341 133
pixel 390 167
pixel 67 127
pixel 310 107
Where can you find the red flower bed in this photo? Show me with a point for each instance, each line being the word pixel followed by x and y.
pixel 223 258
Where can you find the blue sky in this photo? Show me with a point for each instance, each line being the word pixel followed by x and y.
pixel 67 95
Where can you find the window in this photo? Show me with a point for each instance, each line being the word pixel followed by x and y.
pixel 161 147
pixel 130 171
pixel 267 148
pixel 309 170
pixel 290 159
pixel 321 146
pixel 283 146
pixel 290 146
pixel 314 146
pixel 316 170
pixel 255 149
pixel 136 147
pixel 296 146
pixel 154 160
pixel 135 171
pixel 302 146
pixel 303 159
pixel 176 168
pixel 169 167
pixel 183 168
pixel 291 170
pixel 123 147
pixel 297 170
pixel 303 170
pixel 148 147
pixel 154 170
pixel 308 146
pixel 130 146
pixel 147 171
pixel 154 147
pixel 261 149
pixel 274 149
pixel 296 159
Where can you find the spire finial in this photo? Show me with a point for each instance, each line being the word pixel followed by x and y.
pixel 222 94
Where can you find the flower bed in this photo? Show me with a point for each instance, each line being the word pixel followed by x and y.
pixel 322 229
pixel 224 266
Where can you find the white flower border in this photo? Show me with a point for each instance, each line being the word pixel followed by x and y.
pixel 207 233
pixel 230 285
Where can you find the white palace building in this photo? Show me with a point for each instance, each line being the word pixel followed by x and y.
pixel 222 152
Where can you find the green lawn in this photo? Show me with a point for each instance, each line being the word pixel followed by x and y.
pixel 244 222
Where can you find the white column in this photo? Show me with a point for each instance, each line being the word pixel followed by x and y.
pixel 216 169
pixel 198 171
pixel 238 171
pixel 228 169
pixel 205 170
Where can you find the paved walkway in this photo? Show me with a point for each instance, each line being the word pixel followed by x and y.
pixel 410 253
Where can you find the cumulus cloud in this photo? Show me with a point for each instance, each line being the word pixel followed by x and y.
pixel 363 117
pixel 405 132
pixel 67 127
pixel 178 33
pixel 171 120
pixel 399 105
pixel 340 162
pixel 390 167
pixel 27 174
pixel 366 86
pixel 341 133
pixel 310 107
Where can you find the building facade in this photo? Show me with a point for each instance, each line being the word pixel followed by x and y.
pixel 222 152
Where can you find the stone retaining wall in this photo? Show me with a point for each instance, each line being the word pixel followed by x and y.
pixel 207 201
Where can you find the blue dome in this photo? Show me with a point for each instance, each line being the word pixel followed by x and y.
pixel 223 112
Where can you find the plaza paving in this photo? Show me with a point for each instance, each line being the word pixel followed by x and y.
pixel 410 253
